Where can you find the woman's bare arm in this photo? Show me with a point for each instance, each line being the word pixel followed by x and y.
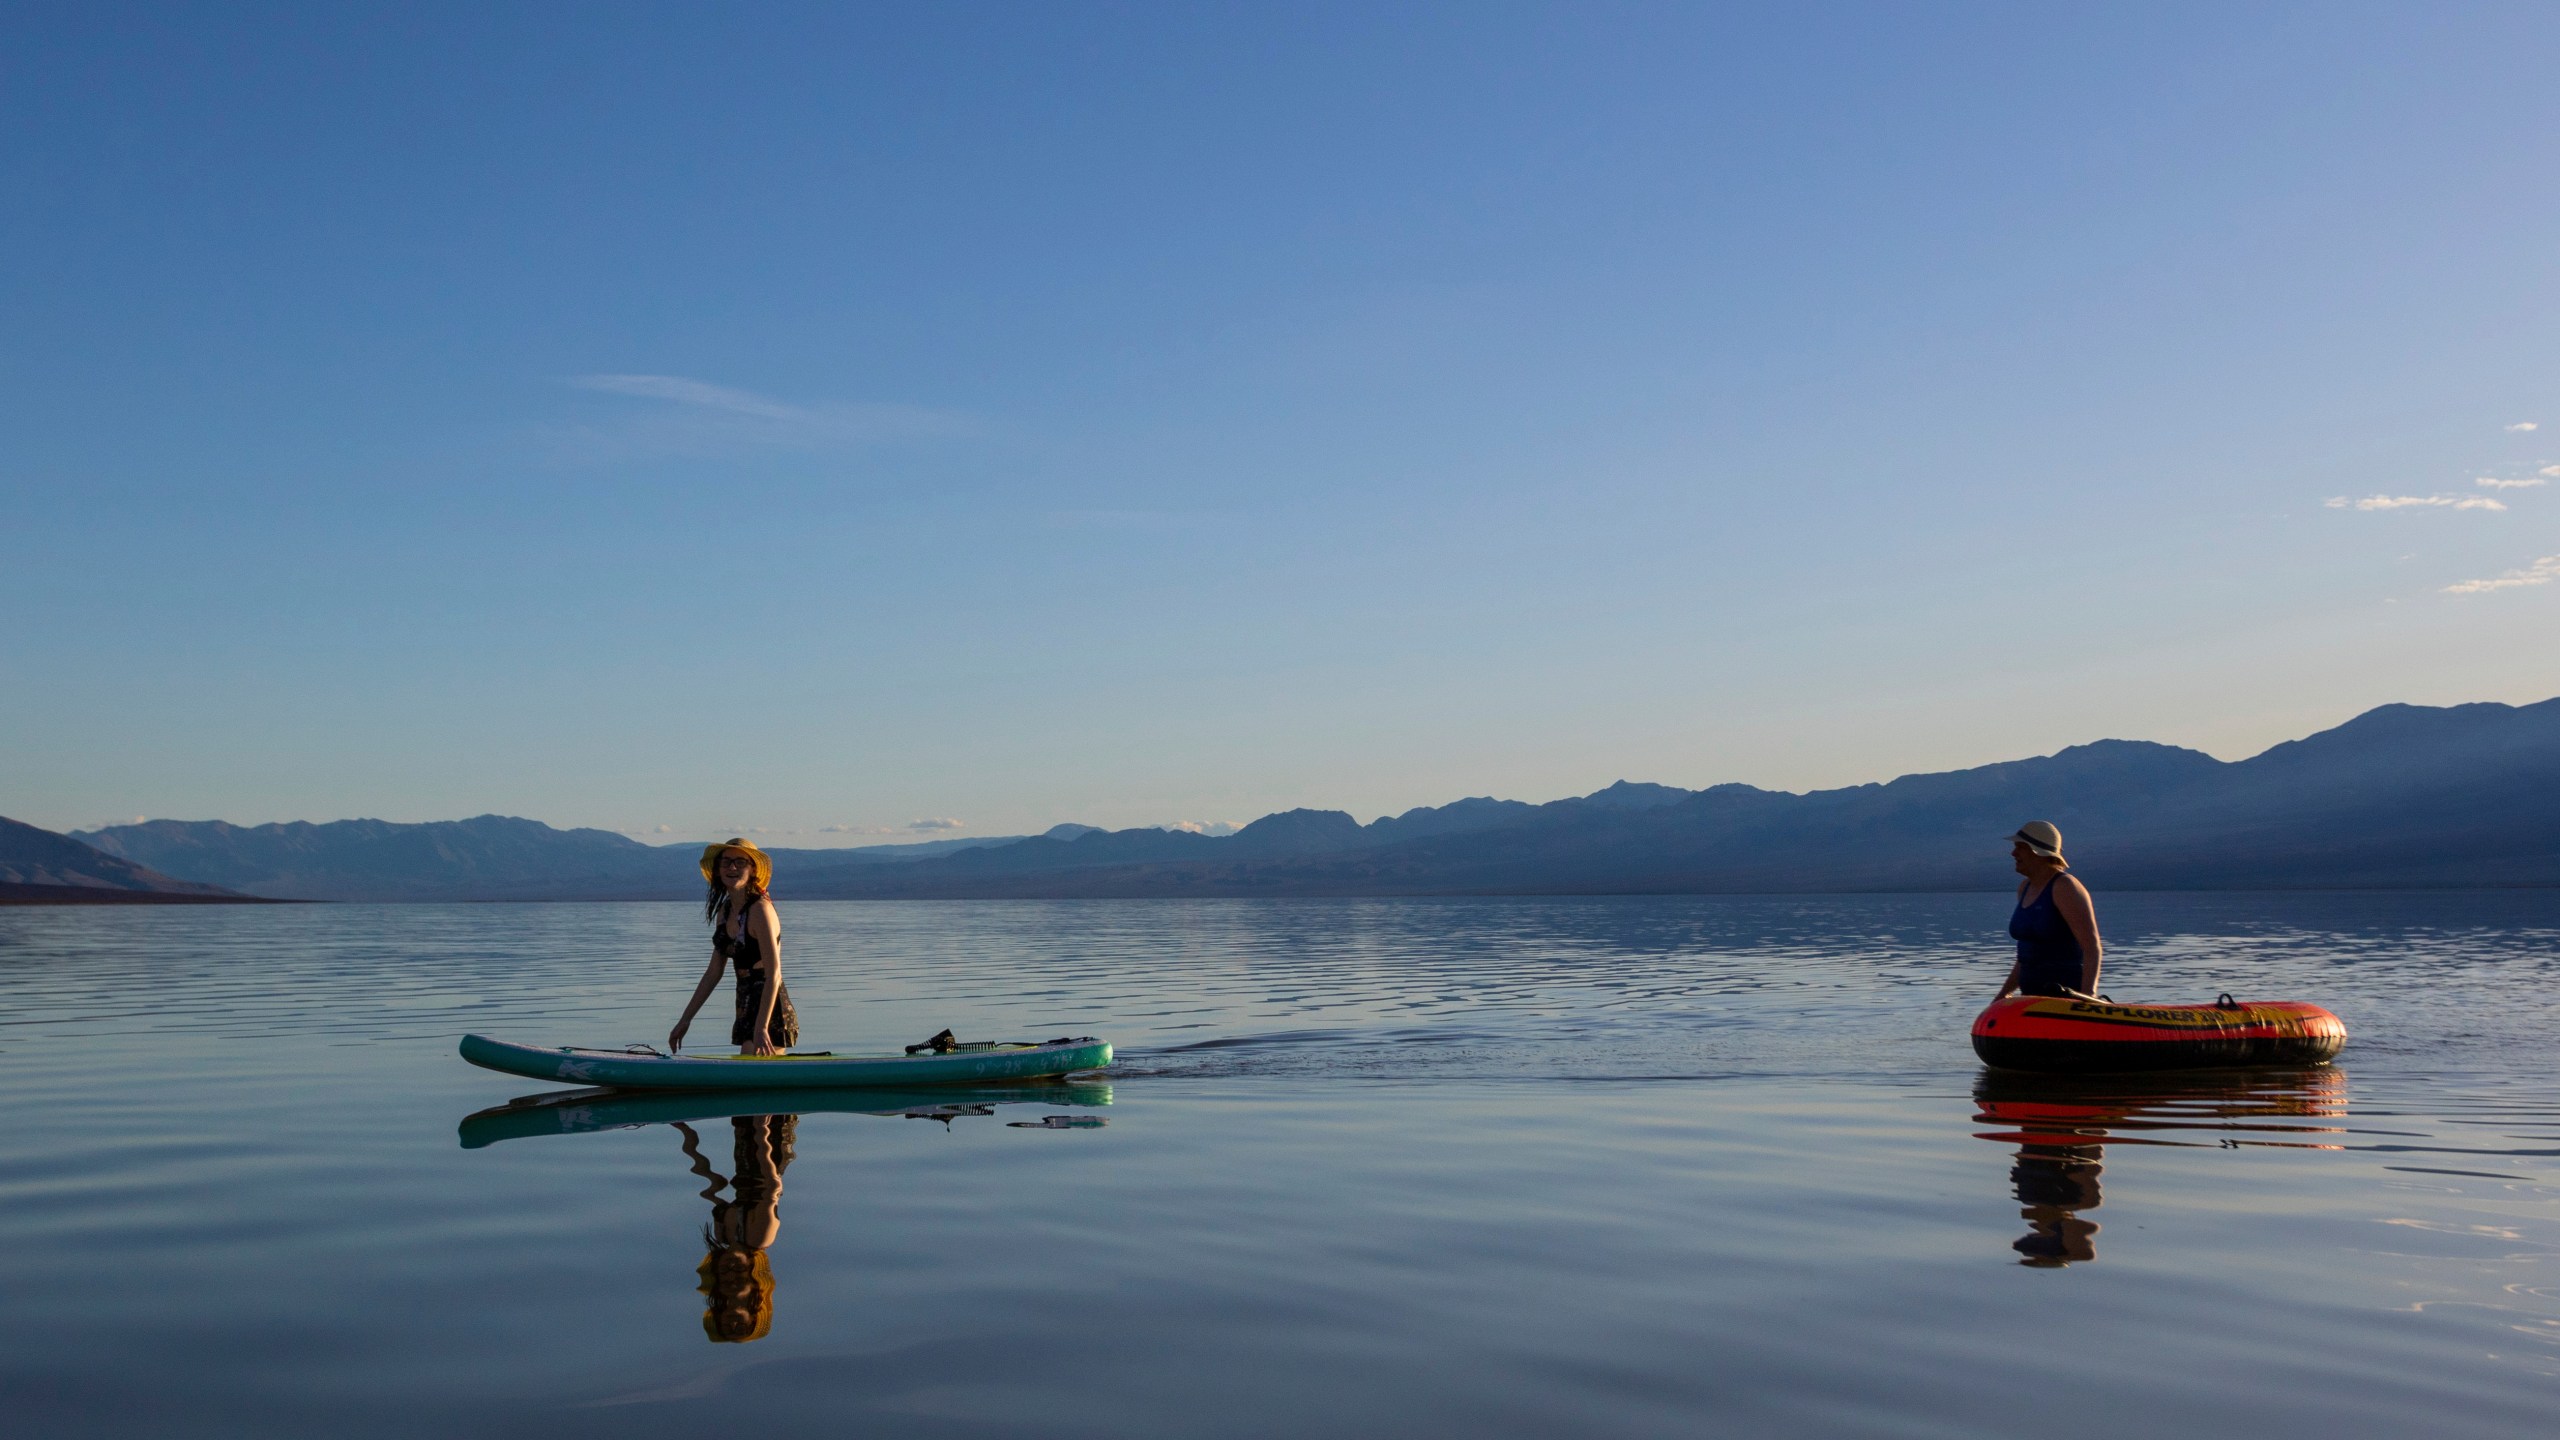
pixel 766 929
pixel 701 992
pixel 2071 898
pixel 2012 982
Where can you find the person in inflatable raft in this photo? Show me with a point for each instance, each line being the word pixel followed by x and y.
pixel 2055 924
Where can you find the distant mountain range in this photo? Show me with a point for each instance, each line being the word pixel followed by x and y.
pixel 40 867
pixel 2399 796
pixel 488 857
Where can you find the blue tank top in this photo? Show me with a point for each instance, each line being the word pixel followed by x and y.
pixel 2048 954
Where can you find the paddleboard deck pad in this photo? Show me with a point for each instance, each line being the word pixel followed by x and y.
pixel 644 1070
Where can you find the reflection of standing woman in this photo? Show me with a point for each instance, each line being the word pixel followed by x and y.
pixel 744 933
pixel 2055 1183
pixel 2055 925
pixel 737 1279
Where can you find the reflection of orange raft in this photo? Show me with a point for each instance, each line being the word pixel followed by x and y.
pixel 2033 1033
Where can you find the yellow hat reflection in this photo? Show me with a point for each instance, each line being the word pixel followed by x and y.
pixel 739 1285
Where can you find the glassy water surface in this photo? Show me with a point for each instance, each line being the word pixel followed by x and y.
pixel 1658 1166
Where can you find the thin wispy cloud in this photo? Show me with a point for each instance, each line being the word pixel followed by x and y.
pixel 930 825
pixel 2541 572
pixel 857 829
pixel 687 392
pixel 2522 426
pixel 2406 502
pixel 2494 483
pixel 677 417
pixel 1103 519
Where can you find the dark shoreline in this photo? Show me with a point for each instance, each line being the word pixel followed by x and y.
pixel 14 894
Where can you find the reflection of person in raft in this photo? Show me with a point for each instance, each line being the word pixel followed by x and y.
pixel 2062 1125
pixel 737 1280
pixel 2055 1183
pixel 2060 1134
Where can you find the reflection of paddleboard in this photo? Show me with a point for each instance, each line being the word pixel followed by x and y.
pixel 579 1112
pixel 639 1071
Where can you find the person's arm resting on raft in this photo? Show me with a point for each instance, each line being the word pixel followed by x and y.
pixel 2071 901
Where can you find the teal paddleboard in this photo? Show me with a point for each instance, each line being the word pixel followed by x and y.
pixel 640 1070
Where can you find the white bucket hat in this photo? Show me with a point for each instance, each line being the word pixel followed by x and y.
pixel 2042 838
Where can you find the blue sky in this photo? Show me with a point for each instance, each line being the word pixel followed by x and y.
pixel 832 418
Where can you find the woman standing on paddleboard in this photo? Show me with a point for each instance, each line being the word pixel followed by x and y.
pixel 2055 924
pixel 744 933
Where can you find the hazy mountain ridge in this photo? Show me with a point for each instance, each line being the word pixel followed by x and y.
pixel 487 857
pixel 39 864
pixel 483 858
pixel 2401 795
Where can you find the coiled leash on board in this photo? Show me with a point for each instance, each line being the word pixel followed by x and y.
pixel 947 1043
pixel 942 1044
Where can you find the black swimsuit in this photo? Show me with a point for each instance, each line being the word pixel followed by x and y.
pixel 746 957
pixel 2048 953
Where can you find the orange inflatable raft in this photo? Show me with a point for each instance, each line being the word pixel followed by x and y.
pixel 2026 1032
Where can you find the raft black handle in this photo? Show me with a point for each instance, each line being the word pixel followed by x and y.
pixel 2224 1001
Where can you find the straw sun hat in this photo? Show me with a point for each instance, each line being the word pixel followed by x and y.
pixel 2042 838
pixel 764 863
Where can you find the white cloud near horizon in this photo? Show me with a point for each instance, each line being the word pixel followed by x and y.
pixel 929 826
pixel 2494 483
pixel 2403 502
pixel 2522 426
pixel 1204 827
pixel 2541 572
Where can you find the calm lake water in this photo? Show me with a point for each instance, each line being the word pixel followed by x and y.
pixel 1673 1166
